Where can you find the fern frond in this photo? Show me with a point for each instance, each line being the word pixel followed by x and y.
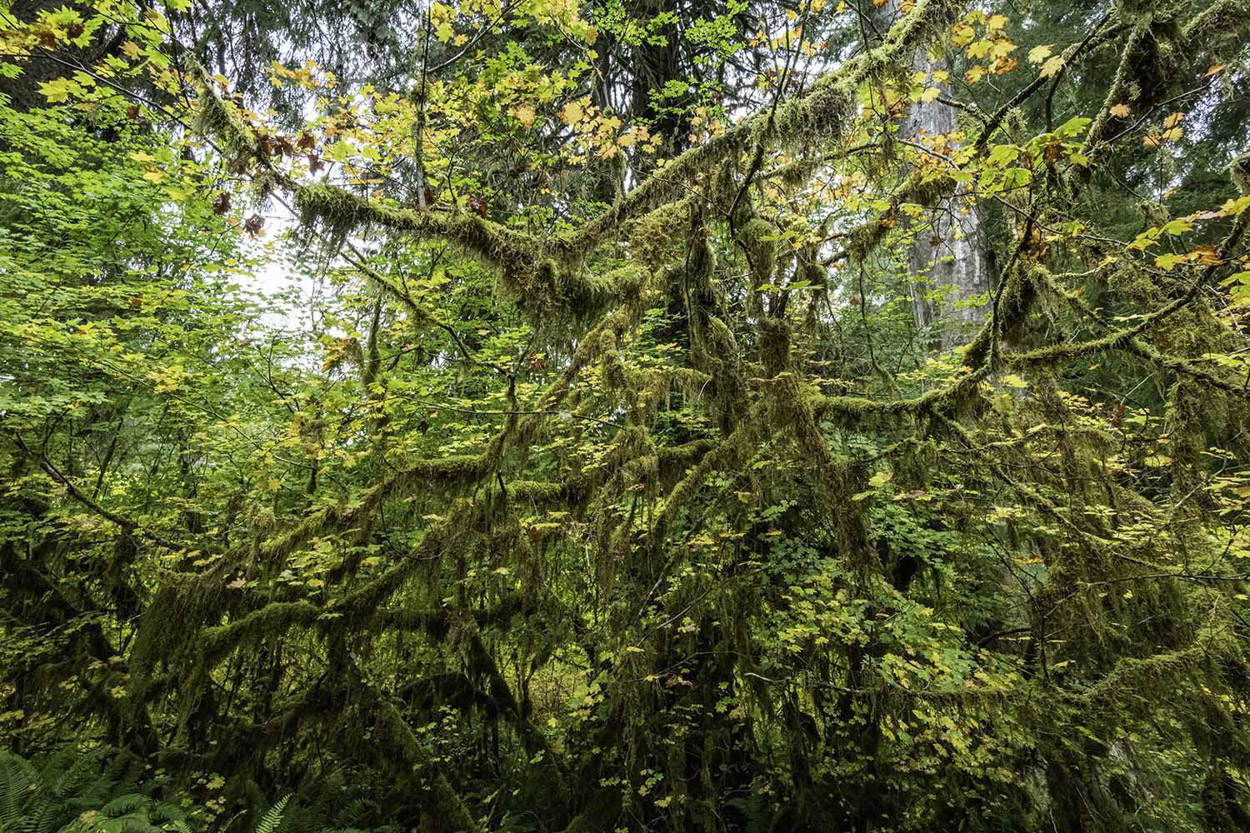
pixel 18 782
pixel 273 816
pixel 164 811
pixel 125 805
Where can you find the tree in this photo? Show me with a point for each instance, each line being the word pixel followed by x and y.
pixel 655 514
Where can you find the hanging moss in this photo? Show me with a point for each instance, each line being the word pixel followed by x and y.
pixel 214 119
pixel 653 236
pixel 1218 29
pixel 758 240
pixel 1239 172
pixel 823 114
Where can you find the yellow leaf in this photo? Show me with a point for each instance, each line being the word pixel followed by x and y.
pixel 1173 120
pixel 962 34
pixel 1039 53
pixel 1002 48
pixel 996 22
pixel 131 49
pixel 1167 262
pixel 525 115
pixel 55 91
pixel 1214 69
pixel 1121 111
pixel 572 113
pixel 1052 66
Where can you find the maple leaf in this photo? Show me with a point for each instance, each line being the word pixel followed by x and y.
pixel 1052 66
pixel 1121 111
pixel 525 115
pixel 1002 48
pixel 979 49
pixel 1040 53
pixel 1168 262
pixel 55 91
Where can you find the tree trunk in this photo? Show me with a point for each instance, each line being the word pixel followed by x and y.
pixel 946 255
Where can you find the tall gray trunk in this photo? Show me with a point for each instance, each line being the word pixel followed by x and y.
pixel 947 255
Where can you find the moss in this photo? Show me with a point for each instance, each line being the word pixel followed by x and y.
pixel 810 269
pixel 921 188
pixel 758 240
pixel 653 235
pixel 823 114
pixel 820 113
pixel 1136 9
pixel 774 335
pixel 214 118
pixel 331 207
pixel 1239 172
pixel 270 622
pixel 1221 26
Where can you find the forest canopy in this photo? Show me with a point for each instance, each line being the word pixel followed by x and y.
pixel 496 416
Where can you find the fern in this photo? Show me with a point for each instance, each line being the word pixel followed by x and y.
pixel 273 816
pixel 18 781
pixel 756 817
pixel 125 805
pixel 76 791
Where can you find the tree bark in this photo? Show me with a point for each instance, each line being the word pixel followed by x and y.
pixel 946 255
